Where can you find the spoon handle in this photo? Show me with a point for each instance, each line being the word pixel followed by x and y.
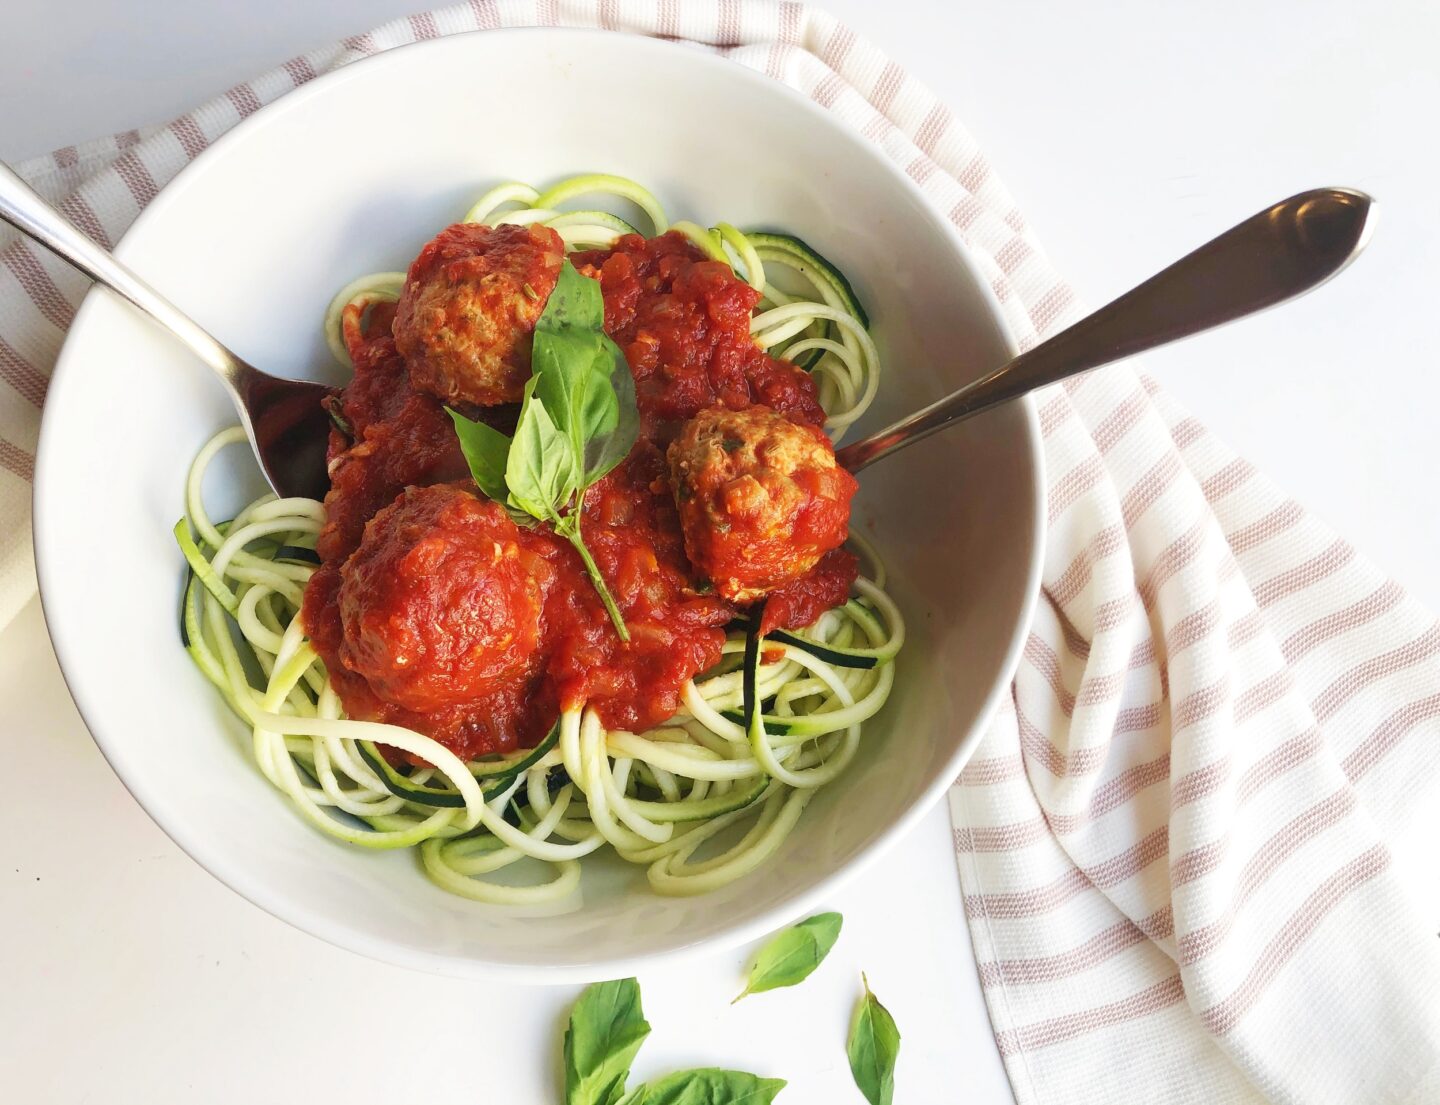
pixel 1284 251
pixel 24 209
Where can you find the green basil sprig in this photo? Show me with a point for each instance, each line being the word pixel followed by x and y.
pixel 873 1048
pixel 605 1031
pixel 789 956
pixel 578 420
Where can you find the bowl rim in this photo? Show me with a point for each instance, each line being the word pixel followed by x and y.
pixel 276 903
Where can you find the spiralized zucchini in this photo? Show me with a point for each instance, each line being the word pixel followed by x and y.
pixel 698 802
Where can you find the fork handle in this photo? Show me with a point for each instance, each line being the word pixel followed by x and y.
pixel 1284 251
pixel 23 208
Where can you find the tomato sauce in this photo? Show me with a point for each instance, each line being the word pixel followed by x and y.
pixel 401 438
pixel 634 536
pixel 826 586
pixel 683 323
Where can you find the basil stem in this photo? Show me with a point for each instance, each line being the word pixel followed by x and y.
pixel 569 528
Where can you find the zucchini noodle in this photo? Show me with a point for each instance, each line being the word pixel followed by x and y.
pixel 698 802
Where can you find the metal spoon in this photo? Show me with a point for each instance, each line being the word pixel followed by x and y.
pixel 1284 251
pixel 287 425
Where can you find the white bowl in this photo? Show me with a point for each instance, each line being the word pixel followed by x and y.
pixel 351 174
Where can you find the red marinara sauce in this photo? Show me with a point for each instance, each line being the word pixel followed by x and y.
pixel 826 586
pixel 410 628
pixel 683 323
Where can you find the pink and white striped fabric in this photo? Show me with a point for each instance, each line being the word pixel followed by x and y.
pixel 1173 842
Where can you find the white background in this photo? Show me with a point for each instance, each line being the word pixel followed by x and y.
pixel 1130 131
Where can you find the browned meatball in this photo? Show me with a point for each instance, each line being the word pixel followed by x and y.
pixel 761 498
pixel 439 603
pixel 467 312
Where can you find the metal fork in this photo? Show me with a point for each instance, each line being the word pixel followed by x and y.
pixel 285 420
pixel 1282 252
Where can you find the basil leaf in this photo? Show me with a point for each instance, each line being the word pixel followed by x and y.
pixel 607 447
pixel 486 450
pixel 540 469
pixel 706 1086
pixel 576 302
pixel 585 381
pixel 873 1048
pixel 605 1031
pixel 572 373
pixel 789 956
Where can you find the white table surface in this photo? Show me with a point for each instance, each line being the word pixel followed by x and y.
pixel 1130 132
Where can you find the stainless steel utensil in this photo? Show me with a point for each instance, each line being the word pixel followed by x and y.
pixel 1276 255
pixel 1284 251
pixel 287 424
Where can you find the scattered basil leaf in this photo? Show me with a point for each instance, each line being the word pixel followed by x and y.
pixel 789 956
pixel 873 1048
pixel 486 451
pixel 706 1086
pixel 606 1029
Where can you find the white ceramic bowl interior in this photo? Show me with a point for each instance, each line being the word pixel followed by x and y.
pixel 353 173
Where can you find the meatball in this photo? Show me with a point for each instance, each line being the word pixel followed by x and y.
pixel 761 498
pixel 439 605
pixel 467 312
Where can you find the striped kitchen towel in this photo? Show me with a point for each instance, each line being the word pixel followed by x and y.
pixel 1175 842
